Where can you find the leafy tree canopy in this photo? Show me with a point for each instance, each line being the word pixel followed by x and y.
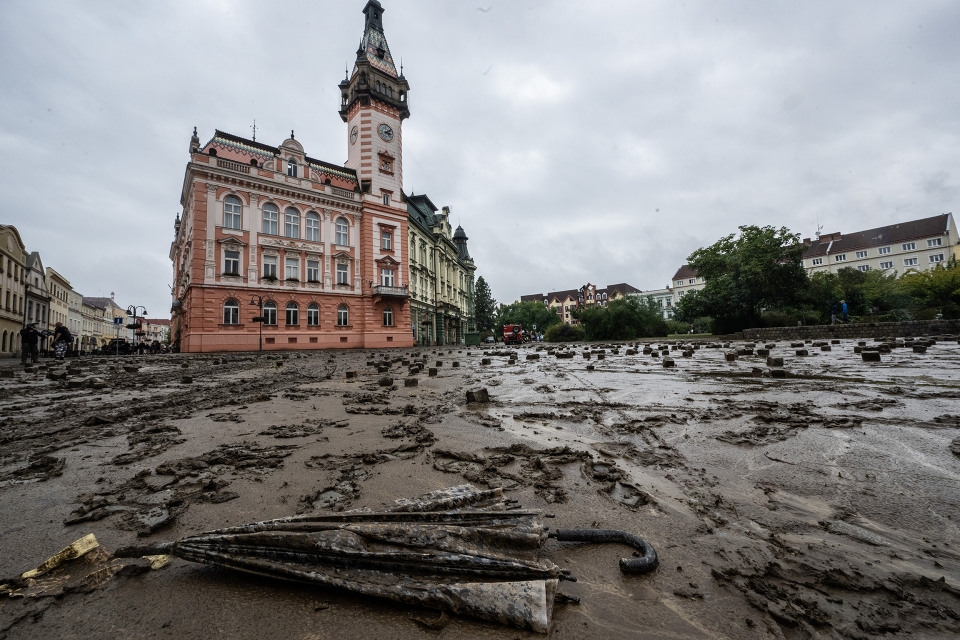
pixel 528 314
pixel 623 319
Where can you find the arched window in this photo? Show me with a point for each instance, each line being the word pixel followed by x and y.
pixel 271 215
pixel 313 315
pixel 4 342
pixel 343 233
pixel 293 313
pixel 269 313
pixel 378 85
pixel 292 167
pixel 291 223
pixel 343 316
pixel 231 212
pixel 313 227
pixel 387 317
pixel 231 312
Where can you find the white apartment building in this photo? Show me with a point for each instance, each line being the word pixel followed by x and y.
pixel 684 281
pixel 916 245
pixel 663 298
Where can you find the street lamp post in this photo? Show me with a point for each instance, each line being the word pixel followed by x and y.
pixel 257 301
pixel 132 311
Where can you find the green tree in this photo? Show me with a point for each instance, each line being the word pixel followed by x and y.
pixel 761 268
pixel 623 319
pixel 529 314
pixel 937 289
pixel 484 306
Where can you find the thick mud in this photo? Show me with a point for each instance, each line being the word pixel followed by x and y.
pixel 815 497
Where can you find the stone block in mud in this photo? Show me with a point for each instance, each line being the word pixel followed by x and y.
pixel 533 356
pixel 858 349
pixel 647 351
pixel 485 361
pixel 870 356
pixel 861 343
pixel 590 367
pixel 370 363
pixel 774 361
pixel 796 345
pixel 565 355
pixel 835 341
pixel 478 395
pixel 630 352
pixel 131 369
pixel 770 345
pixel 385 381
pixel 186 380
pixel 76 383
pixel 756 372
pixel 54 374
pixel 668 363
pixel 383 369
pixel 802 352
pixel 184 365
pixel 601 356
pixel 731 356
pixel 439 363
pixel 411 382
pixel 688 353
pixel 9 373
pixel 455 364
pixel 778 373
pixel 351 374
pixel 826 347
pixel 432 372
pixel 586 355
pixel 919 348
pixel 763 352
pixel 884 348
pixel 97 383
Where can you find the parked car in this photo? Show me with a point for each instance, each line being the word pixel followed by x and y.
pixel 490 340
pixel 118 345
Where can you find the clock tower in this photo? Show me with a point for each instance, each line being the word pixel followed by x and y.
pixel 374 105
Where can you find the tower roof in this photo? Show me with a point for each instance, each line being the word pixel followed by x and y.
pixel 460 233
pixel 374 46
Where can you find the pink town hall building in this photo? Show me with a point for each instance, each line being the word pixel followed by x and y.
pixel 305 254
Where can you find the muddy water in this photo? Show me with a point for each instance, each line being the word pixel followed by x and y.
pixel 819 505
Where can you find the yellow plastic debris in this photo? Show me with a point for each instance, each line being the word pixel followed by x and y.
pixel 79 548
pixel 158 562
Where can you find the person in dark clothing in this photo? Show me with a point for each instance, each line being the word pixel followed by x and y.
pixel 61 340
pixel 29 341
pixel 833 313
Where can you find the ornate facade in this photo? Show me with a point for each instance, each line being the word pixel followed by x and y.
pixel 13 269
pixel 308 252
pixel 441 277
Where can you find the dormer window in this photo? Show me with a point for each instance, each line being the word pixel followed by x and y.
pixel 292 168
pixel 381 52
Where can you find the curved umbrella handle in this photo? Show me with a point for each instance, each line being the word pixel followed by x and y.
pixel 644 564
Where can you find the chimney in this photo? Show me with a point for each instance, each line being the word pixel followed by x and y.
pixel 806 242
pixel 111 295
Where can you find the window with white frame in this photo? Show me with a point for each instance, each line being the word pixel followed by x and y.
pixel 692 281
pixel 313 271
pixel 884 250
pixel 343 316
pixel 864 267
pixel 292 268
pixel 269 313
pixel 386 277
pixel 342 274
pixel 886 265
pixel 231 263
pixel 681 293
pixel 909 246
pixel 386 198
pixel 269 266
pixel 935 242
pixel 861 254
pixel 842 257
pixel 386 240
pixel 232 212
pixel 936 258
pixel 387 317
pixel 293 314
pixel 313 227
pixel 817 261
pixel 343 233
pixel 910 262
pixel 292 168
pixel 271 216
pixel 313 315
pixel 291 223
pixel 231 312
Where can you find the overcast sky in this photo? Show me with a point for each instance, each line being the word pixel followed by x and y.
pixel 574 141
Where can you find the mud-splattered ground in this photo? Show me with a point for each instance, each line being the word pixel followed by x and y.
pixel 817 501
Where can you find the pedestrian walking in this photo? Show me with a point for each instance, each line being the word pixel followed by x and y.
pixel 29 343
pixel 833 313
pixel 61 340
pixel 843 311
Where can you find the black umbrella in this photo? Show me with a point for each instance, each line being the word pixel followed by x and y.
pixel 459 549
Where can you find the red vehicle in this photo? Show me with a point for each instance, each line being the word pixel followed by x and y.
pixel 512 333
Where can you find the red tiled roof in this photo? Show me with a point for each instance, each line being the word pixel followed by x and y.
pixel 894 233
pixel 685 272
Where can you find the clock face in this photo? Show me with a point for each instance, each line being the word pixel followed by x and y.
pixel 385 132
pixel 353 135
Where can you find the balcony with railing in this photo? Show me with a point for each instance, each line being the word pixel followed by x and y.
pixel 233 166
pixel 343 193
pixel 390 292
